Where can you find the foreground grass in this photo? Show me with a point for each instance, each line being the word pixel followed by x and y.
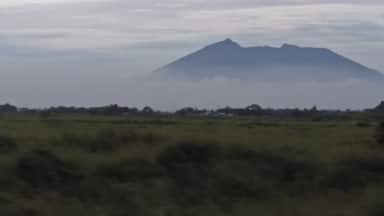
pixel 79 165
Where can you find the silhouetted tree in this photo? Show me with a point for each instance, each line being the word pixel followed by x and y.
pixel 188 111
pixel 7 108
pixel 147 110
pixel 380 107
pixel 254 108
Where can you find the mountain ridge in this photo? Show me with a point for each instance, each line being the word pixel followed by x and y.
pixel 228 58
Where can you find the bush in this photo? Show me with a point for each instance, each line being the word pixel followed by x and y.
pixel 41 168
pixel 363 124
pixel 7 144
pixel 190 167
pixel 189 157
pixel 272 166
pixel 241 187
pixel 188 153
pixel 377 210
pixel 187 161
pixel 106 141
pixel 380 134
pixel 228 174
pixel 355 173
pixel 130 170
pixel 134 137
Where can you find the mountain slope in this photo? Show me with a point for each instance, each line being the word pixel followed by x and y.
pixel 229 59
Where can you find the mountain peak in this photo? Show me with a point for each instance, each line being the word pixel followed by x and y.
pixel 228 40
pixel 227 43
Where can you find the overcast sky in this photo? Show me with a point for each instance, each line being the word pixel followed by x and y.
pixel 68 46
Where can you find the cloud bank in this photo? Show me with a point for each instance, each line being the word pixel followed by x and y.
pixel 74 52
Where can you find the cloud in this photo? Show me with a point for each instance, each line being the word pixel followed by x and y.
pixel 106 42
pixel 13 3
pixel 116 23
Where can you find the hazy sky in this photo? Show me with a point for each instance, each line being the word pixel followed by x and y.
pixel 62 51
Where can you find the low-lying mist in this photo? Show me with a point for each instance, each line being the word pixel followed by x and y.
pixel 88 89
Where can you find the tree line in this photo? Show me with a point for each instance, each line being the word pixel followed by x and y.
pixel 251 110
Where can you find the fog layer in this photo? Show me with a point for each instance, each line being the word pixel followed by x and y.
pixel 167 94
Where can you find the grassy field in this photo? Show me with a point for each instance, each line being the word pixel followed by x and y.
pixel 87 165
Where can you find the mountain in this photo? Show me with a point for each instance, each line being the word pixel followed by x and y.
pixel 288 62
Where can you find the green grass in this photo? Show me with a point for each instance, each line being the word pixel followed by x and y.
pixel 87 165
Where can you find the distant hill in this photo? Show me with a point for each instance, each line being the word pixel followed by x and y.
pixel 288 62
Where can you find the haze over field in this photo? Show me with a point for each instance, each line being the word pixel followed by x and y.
pixel 94 52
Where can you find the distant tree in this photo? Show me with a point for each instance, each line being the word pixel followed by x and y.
pixel 314 109
pixel 147 110
pixel 7 108
pixel 188 111
pixel 380 107
pixel 254 108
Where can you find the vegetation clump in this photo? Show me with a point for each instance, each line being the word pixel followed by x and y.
pixel 7 144
pixel 228 174
pixel 354 173
pixel 363 124
pixel 380 134
pixel 106 140
pixel 41 168
pixel 104 166
pixel 130 170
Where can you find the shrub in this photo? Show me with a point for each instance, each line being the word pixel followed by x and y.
pixel 377 210
pixel 354 173
pixel 130 170
pixel 150 138
pixel 188 161
pixel 229 174
pixel 363 124
pixel 189 165
pixel 41 168
pixel 7 144
pixel 130 137
pixel 73 140
pixel 106 140
pixel 240 187
pixel 272 166
pixel 188 153
pixel 380 134
pixel 373 202
pixel 134 137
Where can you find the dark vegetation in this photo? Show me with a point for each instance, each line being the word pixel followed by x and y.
pixel 380 134
pixel 106 140
pixel 252 110
pixel 7 144
pixel 182 178
pixel 76 164
pixel 43 169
